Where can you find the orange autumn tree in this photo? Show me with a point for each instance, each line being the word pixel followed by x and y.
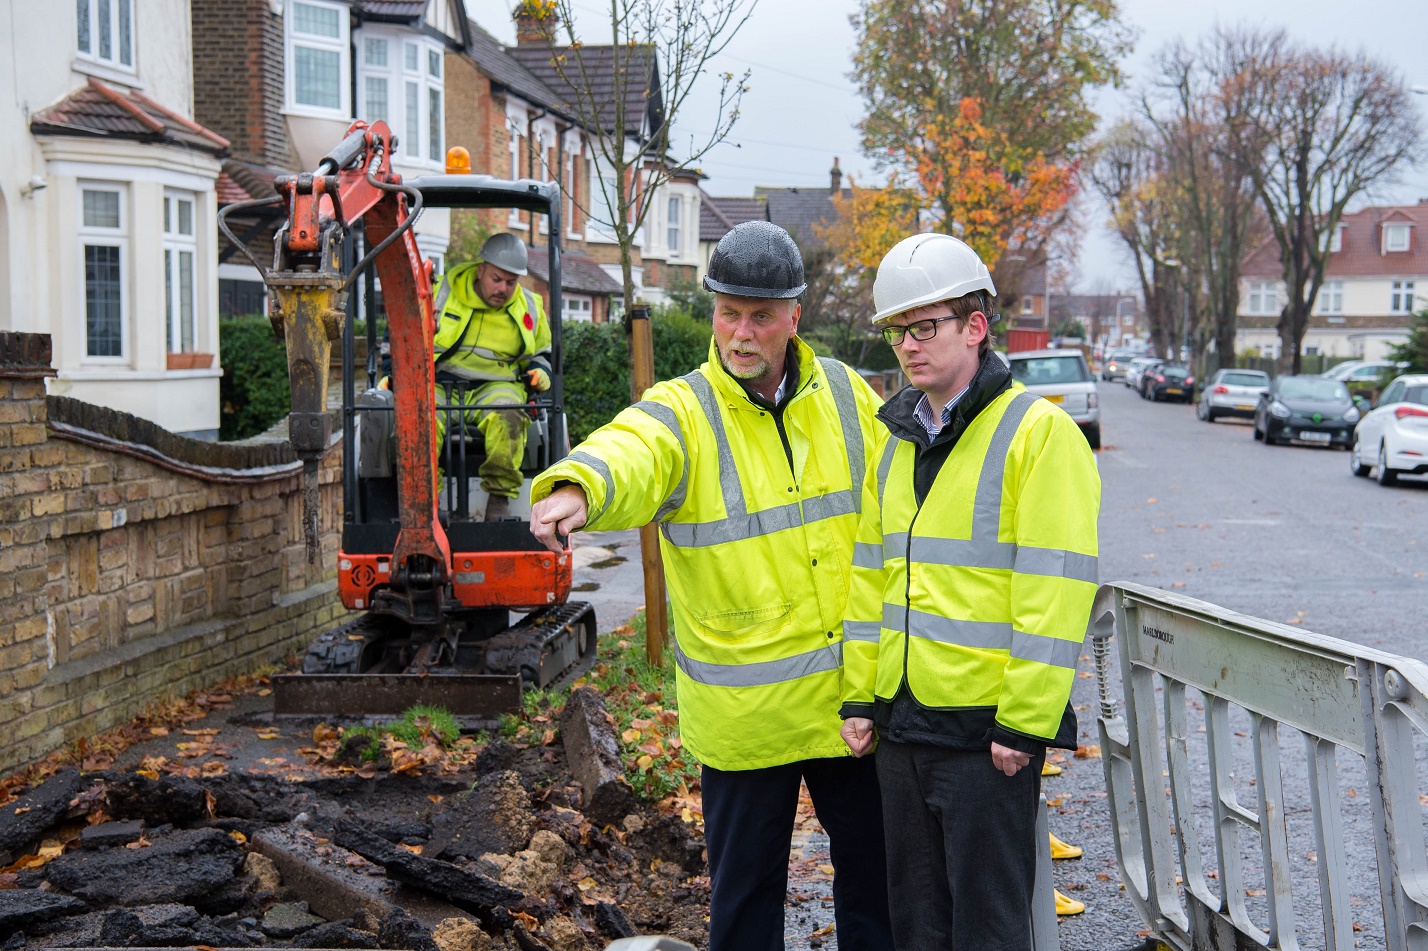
pixel 986 190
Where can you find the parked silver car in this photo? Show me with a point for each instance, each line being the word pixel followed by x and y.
pixel 1062 377
pixel 1135 370
pixel 1231 392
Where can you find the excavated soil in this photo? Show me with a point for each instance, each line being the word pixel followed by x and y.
pixel 486 854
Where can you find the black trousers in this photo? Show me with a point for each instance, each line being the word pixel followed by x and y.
pixel 962 845
pixel 748 829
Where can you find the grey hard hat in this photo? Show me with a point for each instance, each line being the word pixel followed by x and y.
pixel 756 259
pixel 506 252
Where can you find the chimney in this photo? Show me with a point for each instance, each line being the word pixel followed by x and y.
pixel 835 176
pixel 535 21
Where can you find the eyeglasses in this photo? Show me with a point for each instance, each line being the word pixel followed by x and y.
pixel 920 330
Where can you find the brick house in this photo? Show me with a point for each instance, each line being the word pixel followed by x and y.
pixel 282 80
pixel 107 207
pixel 1376 278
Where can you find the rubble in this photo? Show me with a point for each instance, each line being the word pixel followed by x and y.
pixel 493 854
pixel 588 733
pixel 24 820
pixel 495 816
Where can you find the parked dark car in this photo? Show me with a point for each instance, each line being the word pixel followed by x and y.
pixel 1306 408
pixel 1167 382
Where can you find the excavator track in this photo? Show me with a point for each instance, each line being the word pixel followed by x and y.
pixel 348 671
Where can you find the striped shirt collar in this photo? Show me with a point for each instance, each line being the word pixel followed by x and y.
pixel 932 423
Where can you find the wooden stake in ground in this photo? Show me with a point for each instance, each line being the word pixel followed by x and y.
pixel 641 340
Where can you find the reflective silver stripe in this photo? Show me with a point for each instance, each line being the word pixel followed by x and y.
pixel 867 555
pixel 862 631
pixel 830 505
pixel 733 529
pixel 884 465
pixel 987 511
pixel 894 616
pixel 963 552
pixel 1053 651
pixel 729 485
pixel 441 296
pixel 599 466
pixel 488 354
pixel 847 405
pixel 894 545
pixel 1057 563
pixel 666 415
pixel 465 374
pixel 763 673
pixel 985 635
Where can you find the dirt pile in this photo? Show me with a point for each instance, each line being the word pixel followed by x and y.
pixel 497 855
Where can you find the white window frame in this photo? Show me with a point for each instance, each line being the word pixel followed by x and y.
pixel 673 225
pixel 338 45
pixel 516 149
pixel 90 235
pixel 1336 240
pixel 1028 304
pixel 412 128
pixel 93 54
pixel 1401 297
pixel 1397 228
pixel 1331 297
pixel 176 243
pixel 1263 298
pixel 578 307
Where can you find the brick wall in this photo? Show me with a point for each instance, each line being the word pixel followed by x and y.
pixel 136 565
pixel 238 75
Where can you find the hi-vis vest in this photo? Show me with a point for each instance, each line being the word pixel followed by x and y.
pixel 757 547
pixel 979 598
pixel 476 342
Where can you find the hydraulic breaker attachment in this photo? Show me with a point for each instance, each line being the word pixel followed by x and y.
pixel 307 283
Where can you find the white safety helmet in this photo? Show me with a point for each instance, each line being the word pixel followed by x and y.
pixel 507 252
pixel 925 269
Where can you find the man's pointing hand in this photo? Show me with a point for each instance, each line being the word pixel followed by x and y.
pixel 562 512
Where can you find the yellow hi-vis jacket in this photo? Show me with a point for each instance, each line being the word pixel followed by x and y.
pixel 979 597
pixel 757 538
pixel 480 343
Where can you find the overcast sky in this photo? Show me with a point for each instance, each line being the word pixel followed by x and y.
pixel 802 110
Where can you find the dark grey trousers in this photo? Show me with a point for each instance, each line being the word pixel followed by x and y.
pixel 961 841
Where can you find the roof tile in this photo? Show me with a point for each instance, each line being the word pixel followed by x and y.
pixel 96 110
pixel 1361 254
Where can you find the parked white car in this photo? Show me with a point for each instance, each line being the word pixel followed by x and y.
pixel 1135 370
pixel 1062 377
pixel 1392 439
pixel 1231 392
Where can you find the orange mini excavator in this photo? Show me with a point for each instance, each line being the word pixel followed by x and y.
pixel 457 611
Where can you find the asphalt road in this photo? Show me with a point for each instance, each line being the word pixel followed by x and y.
pixel 1282 533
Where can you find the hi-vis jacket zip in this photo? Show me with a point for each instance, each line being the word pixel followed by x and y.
pixel 756 530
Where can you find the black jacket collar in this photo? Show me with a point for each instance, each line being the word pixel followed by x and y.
pixel 900 413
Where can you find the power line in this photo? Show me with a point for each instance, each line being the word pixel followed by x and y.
pixel 845 87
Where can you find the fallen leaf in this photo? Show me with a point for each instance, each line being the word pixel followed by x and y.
pixel 645 762
pixel 531 922
pixel 548 738
pixel 322 733
pixel 265 692
pixel 1150 501
pixel 210 802
pixel 367 770
pixel 269 736
pixel 354 861
pixel 825 930
pixel 140 843
pixel 435 798
pixel 21 810
pixel 208 732
pixel 826 869
pixel 1092 751
pixel 413 849
pixel 1055 802
pixel 238 837
pixel 1148 556
pixel 158 731
pixel 1255 892
pixel 1102 877
pixel 630 736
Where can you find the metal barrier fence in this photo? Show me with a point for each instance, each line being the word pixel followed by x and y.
pixel 1338 695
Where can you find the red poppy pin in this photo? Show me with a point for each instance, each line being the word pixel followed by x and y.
pixel 530 324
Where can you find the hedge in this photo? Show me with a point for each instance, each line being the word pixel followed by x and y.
pixel 597 365
pixel 254 391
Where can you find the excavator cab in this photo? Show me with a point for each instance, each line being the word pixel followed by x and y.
pixel 455 611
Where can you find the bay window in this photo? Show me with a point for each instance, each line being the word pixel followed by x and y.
pixel 104 242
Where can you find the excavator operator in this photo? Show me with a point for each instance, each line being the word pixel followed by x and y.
pixel 492 345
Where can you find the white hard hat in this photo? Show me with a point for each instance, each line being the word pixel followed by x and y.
pixel 507 252
pixel 925 269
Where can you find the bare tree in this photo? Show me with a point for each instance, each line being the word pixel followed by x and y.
pixel 1332 126
pixel 656 47
pixel 1197 108
pixel 1130 175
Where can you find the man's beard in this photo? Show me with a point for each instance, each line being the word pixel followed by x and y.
pixel 757 372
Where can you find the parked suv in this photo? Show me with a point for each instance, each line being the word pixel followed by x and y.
pixel 1062 377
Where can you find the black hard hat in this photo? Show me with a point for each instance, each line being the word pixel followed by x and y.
pixel 756 259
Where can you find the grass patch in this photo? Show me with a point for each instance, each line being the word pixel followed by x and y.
pixel 419 726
